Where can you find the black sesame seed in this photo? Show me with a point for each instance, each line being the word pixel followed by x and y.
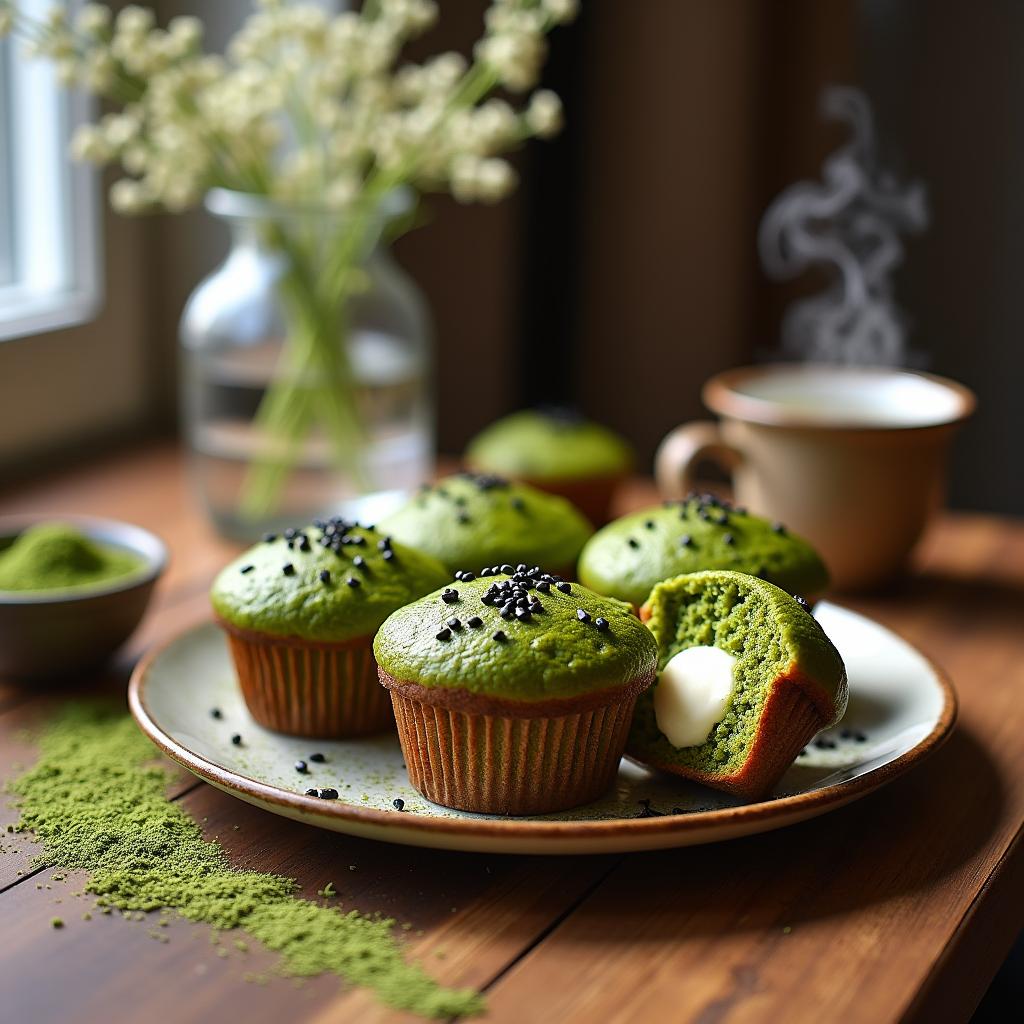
pixel 475 622
pixel 507 613
pixel 449 596
pixel 387 555
pixel 462 519
pixel 778 528
pixel 522 567
pixel 291 533
pixel 543 586
pixel 398 803
pixel 825 744
pixel 507 569
pixel 649 524
pixel 601 623
pixel 444 634
pixel 803 602
pixel 384 543
pixel 246 568
pixel 454 623
pixel 325 575
pixel 458 574
pixel 565 588
pixel 728 538
pixel 633 542
pixel 301 767
pixel 216 713
pixel 468 577
pixel 686 540
pixel 328 794
pixel 536 607
pixel 304 543
pixel 524 615
pixel 518 504
pixel 583 616
pixel 318 758
pixel 288 569
pixel 359 562
pixel 499 635
pixel 312 792
pixel 859 737
pixel 268 538
pixel 237 740
pixel 353 582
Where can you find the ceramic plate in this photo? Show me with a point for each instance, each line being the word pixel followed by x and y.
pixel 901 709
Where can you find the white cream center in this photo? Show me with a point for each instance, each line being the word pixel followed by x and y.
pixel 693 694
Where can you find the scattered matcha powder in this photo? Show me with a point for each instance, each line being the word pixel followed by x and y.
pixel 96 803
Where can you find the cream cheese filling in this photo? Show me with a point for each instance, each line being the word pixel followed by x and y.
pixel 693 694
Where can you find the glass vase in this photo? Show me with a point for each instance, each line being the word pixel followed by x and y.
pixel 306 370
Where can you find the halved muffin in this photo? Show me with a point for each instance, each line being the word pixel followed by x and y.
pixel 746 679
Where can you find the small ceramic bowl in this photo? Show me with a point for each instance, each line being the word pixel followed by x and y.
pixel 47 633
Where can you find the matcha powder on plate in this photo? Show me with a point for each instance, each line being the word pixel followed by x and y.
pixel 96 803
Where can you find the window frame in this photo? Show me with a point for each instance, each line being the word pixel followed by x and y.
pixel 50 202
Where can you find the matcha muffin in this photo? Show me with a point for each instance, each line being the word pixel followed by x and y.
pixel 514 691
pixel 555 450
pixel 300 611
pixel 471 520
pixel 629 556
pixel 746 678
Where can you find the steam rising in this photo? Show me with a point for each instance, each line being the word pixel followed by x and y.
pixel 852 222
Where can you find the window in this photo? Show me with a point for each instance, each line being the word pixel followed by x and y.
pixel 49 274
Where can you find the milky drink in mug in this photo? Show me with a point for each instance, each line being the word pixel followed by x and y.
pixel 852 458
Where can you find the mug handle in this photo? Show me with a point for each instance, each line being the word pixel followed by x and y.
pixel 682 451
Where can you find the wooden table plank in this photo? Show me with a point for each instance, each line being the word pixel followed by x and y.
pixel 845 918
pixel 468 917
pixel 901 905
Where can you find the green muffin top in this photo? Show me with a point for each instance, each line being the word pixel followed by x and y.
pixel 770 633
pixel 629 556
pixel 549 444
pixel 471 520
pixel 332 582
pixel 517 634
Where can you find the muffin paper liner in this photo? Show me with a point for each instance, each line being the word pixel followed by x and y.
pixel 311 689
pixel 506 764
pixel 592 495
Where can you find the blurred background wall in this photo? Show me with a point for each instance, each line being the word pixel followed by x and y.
pixel 625 271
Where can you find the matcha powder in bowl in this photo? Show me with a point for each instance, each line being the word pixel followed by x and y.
pixel 95 801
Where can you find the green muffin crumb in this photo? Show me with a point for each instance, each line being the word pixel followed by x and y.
pixel 765 629
pixel 96 802
pixel 52 556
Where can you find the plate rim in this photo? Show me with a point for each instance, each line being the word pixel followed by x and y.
pixel 770 812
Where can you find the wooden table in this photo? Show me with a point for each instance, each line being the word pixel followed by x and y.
pixel 900 906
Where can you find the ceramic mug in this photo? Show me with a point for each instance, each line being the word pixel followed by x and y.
pixel 853 459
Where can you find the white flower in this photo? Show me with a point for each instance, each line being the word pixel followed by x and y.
pixel 93 20
pixel 134 20
pixel 186 33
pixel 129 196
pixel 515 57
pixel 561 10
pixel 89 144
pixel 495 180
pixel 544 114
